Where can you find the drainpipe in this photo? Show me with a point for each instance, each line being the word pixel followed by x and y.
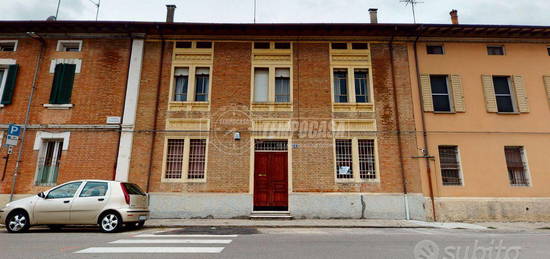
pixel 27 113
pixel 426 153
pixel 398 126
pixel 159 79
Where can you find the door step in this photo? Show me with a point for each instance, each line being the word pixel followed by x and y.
pixel 271 215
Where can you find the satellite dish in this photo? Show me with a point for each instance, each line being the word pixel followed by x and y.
pixel 51 18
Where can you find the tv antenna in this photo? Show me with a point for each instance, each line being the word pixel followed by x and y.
pixel 413 4
pixel 254 11
pixel 97 7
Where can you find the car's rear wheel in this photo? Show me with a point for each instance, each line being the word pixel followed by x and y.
pixel 18 222
pixel 110 222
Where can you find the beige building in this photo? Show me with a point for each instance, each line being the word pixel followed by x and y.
pixel 482 108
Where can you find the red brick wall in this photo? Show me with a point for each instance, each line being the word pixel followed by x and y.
pixel 98 92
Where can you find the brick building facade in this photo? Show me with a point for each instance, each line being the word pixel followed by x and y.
pixel 226 120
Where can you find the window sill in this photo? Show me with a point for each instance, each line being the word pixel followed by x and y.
pixel 271 106
pixel 188 106
pixel 353 107
pixel 369 181
pixel 164 180
pixel 508 113
pixel 57 106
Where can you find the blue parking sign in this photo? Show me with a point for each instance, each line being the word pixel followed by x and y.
pixel 14 130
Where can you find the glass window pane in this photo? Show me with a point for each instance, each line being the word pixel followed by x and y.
pixel 202 76
pixel 367 159
pixel 505 104
pixel 197 158
pixel 183 45
pixel 344 160
pixel 94 189
pixel 361 86
pixel 439 84
pixel 261 45
pixel 204 45
pixel 339 46
pixel 341 85
pixel 180 91
pixel 359 45
pixel 501 85
pixel 261 83
pixel 495 50
pixel 282 45
pixel 441 103
pixel 64 191
pixel 174 158
pixel 282 85
pixel 435 50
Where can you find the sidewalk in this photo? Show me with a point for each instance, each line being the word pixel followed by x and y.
pixel 308 223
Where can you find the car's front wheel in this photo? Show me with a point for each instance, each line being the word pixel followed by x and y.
pixel 110 222
pixel 18 222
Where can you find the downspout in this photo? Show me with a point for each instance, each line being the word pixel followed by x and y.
pixel 123 105
pixel 27 113
pixel 398 126
pixel 426 153
pixel 155 113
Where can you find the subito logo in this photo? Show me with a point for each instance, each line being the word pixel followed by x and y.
pixel 426 249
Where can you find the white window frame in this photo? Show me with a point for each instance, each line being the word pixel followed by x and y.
pixel 16 42
pixel 513 96
pixel 271 84
pixel 526 167
pixel 3 81
pixel 450 93
pixel 355 160
pixel 185 164
pixel 60 47
pixel 39 141
pixel 496 46
pixel 460 170
pixel 191 81
pixel 75 61
pixel 351 84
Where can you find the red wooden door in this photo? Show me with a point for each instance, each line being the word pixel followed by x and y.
pixel 271 181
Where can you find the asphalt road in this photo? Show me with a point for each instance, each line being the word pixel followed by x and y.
pixel 275 243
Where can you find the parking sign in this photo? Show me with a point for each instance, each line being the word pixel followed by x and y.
pixel 14 130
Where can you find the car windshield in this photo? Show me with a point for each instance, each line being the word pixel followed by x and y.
pixel 133 189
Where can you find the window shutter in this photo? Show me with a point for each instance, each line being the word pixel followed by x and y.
pixel 426 93
pixel 521 95
pixel 489 92
pixel 547 86
pixel 10 84
pixel 458 93
pixel 62 84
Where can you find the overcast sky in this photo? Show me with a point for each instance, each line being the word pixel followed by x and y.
pixel 526 12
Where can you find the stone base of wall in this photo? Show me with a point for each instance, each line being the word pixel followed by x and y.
pixel 493 209
pixel 301 205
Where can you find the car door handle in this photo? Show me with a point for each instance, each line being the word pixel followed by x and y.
pixel 66 201
pixel 101 199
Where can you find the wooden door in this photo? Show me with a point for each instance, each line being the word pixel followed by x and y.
pixel 271 181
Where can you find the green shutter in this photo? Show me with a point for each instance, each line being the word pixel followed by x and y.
pixel 62 84
pixel 10 84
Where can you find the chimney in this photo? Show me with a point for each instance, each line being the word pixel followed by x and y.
pixel 454 16
pixel 170 9
pixel 373 15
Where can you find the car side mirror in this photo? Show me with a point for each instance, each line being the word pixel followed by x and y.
pixel 42 195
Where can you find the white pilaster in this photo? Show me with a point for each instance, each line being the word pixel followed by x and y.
pixel 130 109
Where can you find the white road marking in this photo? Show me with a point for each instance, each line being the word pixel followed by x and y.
pixel 164 250
pixel 172 241
pixel 190 235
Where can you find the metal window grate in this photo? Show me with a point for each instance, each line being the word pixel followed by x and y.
pixel 367 159
pixel 197 158
pixel 450 166
pixel 271 145
pixel 344 159
pixel 516 166
pixel 174 159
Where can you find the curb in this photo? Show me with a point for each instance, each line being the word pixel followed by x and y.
pixel 285 226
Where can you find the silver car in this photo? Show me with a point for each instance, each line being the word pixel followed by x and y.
pixel 109 204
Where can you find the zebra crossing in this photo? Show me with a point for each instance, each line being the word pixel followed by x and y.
pixel 159 243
